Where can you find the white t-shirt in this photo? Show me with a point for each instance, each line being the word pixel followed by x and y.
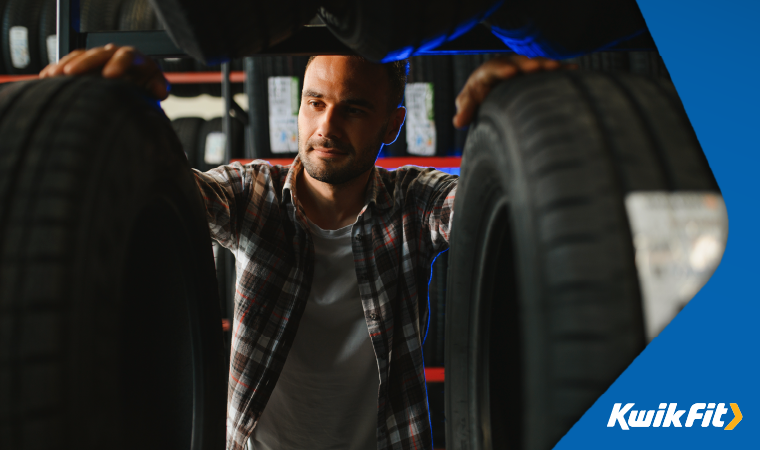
pixel 326 396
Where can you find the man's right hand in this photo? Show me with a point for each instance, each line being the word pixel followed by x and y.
pixel 111 61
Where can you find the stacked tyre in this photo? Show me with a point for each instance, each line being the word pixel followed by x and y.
pixel 275 80
pixel 28 37
pixel 204 142
pixel 647 63
pixel 29 41
pixel 429 100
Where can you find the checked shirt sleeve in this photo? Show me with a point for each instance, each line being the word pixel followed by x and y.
pixel 227 192
pixel 439 189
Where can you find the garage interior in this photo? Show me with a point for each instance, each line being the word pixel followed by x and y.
pixel 589 214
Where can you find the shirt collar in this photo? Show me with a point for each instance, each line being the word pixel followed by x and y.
pixel 376 191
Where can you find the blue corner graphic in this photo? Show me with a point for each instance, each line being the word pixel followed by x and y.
pixel 710 353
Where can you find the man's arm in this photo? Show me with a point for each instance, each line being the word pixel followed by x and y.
pixel 226 196
pixel 439 208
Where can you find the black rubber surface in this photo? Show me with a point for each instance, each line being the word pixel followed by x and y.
pixel 647 63
pixel 225 276
pixel 215 126
pixel 604 61
pixel 188 129
pixel 135 15
pixel 433 348
pixel 390 30
pixel 92 179
pixel 265 67
pixel 99 15
pixel 213 32
pixel 2 38
pixel 462 68
pixel 47 27
pixel 561 29
pixel 26 14
pixel 438 71
pixel 180 65
pixel 543 308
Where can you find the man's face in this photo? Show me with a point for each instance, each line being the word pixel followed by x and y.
pixel 344 118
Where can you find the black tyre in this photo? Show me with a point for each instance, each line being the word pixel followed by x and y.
pixel 92 178
pixel 135 15
pixel 263 68
pixel 99 15
pixel 462 68
pixel 225 276
pixel 188 129
pixel 648 63
pixel 21 49
pixel 213 32
pixel 388 31
pixel 48 39
pixel 211 141
pixel 544 309
pixel 433 348
pixel 614 62
pixel 180 65
pixel 437 72
pixel 562 29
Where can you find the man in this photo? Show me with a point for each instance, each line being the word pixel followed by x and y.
pixel 333 258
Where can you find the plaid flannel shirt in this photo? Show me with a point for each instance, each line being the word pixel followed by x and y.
pixel 404 224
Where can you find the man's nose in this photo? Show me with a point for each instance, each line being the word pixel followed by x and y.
pixel 330 123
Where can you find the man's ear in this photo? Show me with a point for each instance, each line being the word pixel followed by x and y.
pixel 394 125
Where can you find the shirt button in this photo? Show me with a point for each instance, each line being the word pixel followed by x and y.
pixel 373 316
pixel 358 238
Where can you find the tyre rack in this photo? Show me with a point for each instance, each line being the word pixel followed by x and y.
pixel 310 40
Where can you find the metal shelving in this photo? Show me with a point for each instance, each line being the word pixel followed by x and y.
pixel 310 40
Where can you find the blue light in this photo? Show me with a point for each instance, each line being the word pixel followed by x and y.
pixel 451 170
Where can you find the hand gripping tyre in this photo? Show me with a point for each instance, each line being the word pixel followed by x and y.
pixel 104 342
pixel 545 305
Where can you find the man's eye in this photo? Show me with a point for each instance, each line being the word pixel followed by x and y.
pixel 354 111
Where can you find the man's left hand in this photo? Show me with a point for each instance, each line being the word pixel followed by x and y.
pixel 485 77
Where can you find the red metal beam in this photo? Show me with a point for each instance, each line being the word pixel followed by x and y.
pixel 12 78
pixel 202 77
pixel 434 374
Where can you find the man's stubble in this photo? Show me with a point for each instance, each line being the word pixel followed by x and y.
pixel 335 174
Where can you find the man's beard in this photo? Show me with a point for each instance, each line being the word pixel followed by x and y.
pixel 335 174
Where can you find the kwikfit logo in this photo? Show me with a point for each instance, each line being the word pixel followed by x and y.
pixel 667 415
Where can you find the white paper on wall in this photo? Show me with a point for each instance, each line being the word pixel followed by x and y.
pixel 284 101
pixel 52 48
pixel 420 122
pixel 215 143
pixel 18 38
